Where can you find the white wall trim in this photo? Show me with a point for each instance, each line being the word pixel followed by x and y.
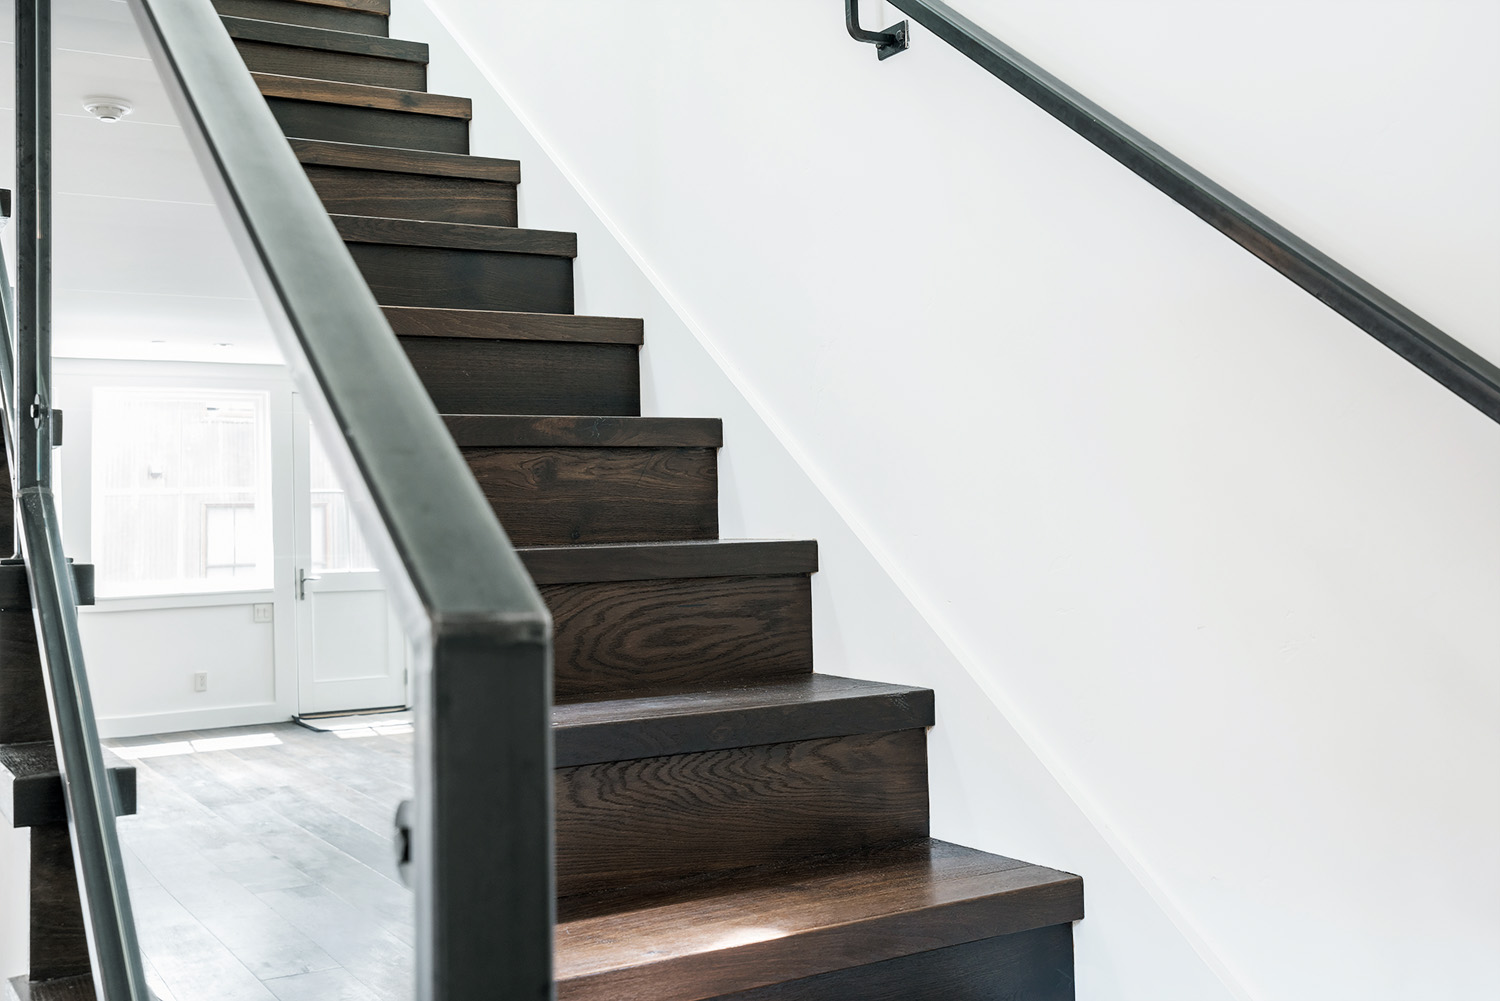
pixel 1233 980
pixel 151 724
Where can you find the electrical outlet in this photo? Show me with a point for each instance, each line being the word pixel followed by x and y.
pixel 200 681
pixel 263 612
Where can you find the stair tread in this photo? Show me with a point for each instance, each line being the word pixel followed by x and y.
pixel 703 939
pixel 489 324
pixel 454 235
pixel 519 431
pixel 31 789
pixel 64 989
pixel 600 562
pixel 805 707
pixel 405 161
pixel 327 39
pixel 361 95
pixel 382 7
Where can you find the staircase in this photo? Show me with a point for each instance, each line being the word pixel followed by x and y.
pixel 729 824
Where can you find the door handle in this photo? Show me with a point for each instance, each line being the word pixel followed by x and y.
pixel 302 578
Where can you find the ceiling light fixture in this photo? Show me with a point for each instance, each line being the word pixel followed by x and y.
pixel 107 109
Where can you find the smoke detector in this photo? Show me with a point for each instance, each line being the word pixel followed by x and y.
pixel 107 109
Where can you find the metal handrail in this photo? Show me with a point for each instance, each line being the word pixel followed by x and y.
pixel 479 831
pixel 1472 377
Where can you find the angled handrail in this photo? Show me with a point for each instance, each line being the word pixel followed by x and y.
pixel 480 835
pixel 1468 374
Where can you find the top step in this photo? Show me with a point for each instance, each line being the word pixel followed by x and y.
pixel 367 17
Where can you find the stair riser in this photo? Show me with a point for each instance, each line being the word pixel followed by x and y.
pixel 23 699
pixel 466 279
pixel 612 639
pixel 561 496
pixel 627 823
pixel 414 196
pixel 310 15
pixel 370 126
pixel 465 376
pixel 1034 965
pixel 59 947
pixel 320 64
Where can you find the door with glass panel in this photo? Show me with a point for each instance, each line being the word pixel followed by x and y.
pixel 351 650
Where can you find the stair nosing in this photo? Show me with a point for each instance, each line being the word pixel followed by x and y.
pixel 567 431
pixel 431 163
pixel 454 236
pixel 506 325
pixel 36 797
pixel 301 36
pixel 361 95
pixel 807 707
pixel 609 562
pixel 380 7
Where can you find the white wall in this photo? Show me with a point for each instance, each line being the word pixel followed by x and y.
pixel 1206 580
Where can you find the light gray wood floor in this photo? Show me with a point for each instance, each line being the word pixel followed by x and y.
pixel 267 873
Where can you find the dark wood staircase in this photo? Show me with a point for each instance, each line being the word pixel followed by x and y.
pixel 730 825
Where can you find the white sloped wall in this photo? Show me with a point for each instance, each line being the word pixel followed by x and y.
pixel 1207 582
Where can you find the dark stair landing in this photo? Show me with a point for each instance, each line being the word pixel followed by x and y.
pixel 730 825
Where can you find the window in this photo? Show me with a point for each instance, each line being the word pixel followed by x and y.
pixel 336 542
pixel 181 490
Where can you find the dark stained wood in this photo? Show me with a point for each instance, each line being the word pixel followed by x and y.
pixel 652 819
pixel 701 942
pixel 23 695
pixel 569 495
pixel 7 499
pixel 31 788
pixel 413 196
pixel 66 989
pixel 494 325
pixel 325 40
pixel 287 60
pixel 466 279
pixel 527 377
pixel 15 587
pixel 58 945
pixel 337 18
pixel 340 123
pixel 406 161
pixel 499 430
pixel 776 712
pixel 618 637
pixel 664 561
pixel 1032 965
pixel 373 6
pixel 355 95
pixel 414 233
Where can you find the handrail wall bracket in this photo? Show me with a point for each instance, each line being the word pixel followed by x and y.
pixel 896 38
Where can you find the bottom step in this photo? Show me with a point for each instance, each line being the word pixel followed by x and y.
pixel 922 920
pixel 66 989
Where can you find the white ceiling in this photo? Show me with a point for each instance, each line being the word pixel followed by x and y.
pixel 143 265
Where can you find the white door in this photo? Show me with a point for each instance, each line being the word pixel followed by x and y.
pixel 351 653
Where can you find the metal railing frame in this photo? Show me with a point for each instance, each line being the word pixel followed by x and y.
pixel 478 834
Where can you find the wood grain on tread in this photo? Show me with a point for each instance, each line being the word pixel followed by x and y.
pixel 667 560
pixel 295 88
pixel 66 989
pixel 506 431
pixel 527 377
pixel 344 67
pixel 652 819
pixel 324 39
pixel 31 788
pixel 807 707
pixel 480 324
pixel 757 929
pixel 616 637
pixel 344 123
pixel 59 947
pixel 338 18
pixel 348 191
pixel 456 236
pixel 568 495
pixel 406 161
pixel 465 279
pixel 382 7
pixel 1034 965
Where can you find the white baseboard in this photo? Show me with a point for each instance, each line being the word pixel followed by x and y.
pixel 191 719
